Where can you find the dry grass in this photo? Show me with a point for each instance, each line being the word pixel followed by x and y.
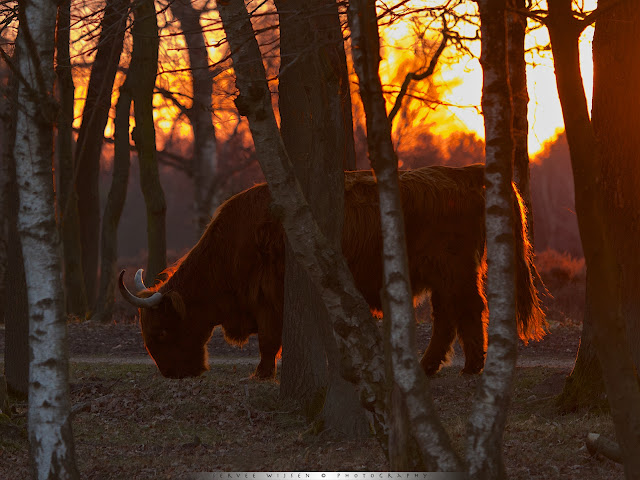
pixel 564 276
pixel 133 424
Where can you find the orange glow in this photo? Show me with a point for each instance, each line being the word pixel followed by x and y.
pixel 459 79
pixel 447 103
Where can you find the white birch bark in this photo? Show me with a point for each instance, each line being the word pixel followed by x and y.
pixel 50 436
pixel 433 442
pixel 487 420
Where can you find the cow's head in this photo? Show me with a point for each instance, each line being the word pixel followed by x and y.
pixel 173 339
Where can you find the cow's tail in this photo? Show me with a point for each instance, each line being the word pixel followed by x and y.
pixel 530 317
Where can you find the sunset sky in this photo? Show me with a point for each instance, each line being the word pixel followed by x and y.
pixel 461 80
pixel 457 83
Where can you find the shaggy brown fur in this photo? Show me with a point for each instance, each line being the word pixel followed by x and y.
pixel 234 275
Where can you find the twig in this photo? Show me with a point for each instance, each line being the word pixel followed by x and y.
pixel 419 76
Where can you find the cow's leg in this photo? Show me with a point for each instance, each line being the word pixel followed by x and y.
pixel 443 334
pixel 269 343
pixel 471 328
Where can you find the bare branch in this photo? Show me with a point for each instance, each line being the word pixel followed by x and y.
pixel 416 76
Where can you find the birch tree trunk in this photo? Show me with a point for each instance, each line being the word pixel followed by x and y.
pixel 433 442
pixel 357 335
pixel 74 286
pixel 493 397
pixel 143 69
pixel 50 434
pixel 90 136
pixel 205 150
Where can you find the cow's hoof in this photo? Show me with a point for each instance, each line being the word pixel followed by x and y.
pixel 264 374
pixel 431 369
pixel 471 370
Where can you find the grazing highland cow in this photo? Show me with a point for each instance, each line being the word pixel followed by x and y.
pixel 234 275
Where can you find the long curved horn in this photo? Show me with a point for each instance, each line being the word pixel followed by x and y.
pixel 137 280
pixel 139 302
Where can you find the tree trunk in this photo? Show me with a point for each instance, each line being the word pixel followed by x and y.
pixel 358 338
pixel 16 315
pixel 433 442
pixel 493 396
pixel 74 286
pixel 142 71
pixel 205 154
pixel 114 206
pixel 6 148
pixel 313 130
pixel 615 115
pixel 49 410
pixel 89 147
pixel 516 26
pixel 584 386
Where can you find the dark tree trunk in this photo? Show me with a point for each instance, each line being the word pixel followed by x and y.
pixel 89 147
pixel 493 396
pixel 584 387
pixel 205 154
pixel 114 206
pixel 144 65
pixel 16 314
pixel 4 184
pixel 615 119
pixel 516 25
pixel 74 286
pixel 313 129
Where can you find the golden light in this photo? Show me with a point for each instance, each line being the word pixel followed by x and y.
pixel 460 78
pixel 457 84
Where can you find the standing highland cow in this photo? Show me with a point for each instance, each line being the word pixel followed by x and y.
pixel 234 275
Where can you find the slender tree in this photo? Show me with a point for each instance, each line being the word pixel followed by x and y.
pixel 67 208
pixel 16 315
pixel 517 27
pixel 493 396
pixel 113 208
pixel 584 386
pixel 408 379
pixel 50 434
pixel 143 70
pixel 90 139
pixel 204 163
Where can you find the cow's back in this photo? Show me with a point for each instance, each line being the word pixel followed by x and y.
pixel 444 220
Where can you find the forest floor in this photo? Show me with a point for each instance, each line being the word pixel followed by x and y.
pixel 131 423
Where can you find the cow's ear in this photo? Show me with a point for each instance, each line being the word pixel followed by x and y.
pixel 177 303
